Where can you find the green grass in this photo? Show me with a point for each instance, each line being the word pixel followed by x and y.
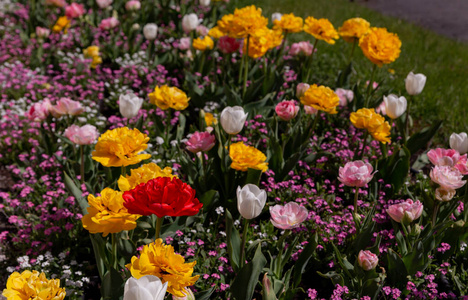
pixel 442 60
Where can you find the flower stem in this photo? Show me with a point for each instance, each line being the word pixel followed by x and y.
pixel 246 67
pixel 82 164
pixel 370 86
pixel 159 222
pixel 410 247
pixel 279 258
pixel 434 215
pixel 357 223
pixel 309 64
pixel 352 51
pixel 114 251
pixel 363 147
pixel 406 129
pixel 244 238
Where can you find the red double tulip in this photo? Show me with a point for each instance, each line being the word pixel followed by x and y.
pixel 162 196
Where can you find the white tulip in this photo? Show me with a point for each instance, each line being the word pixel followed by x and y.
pixel 276 16
pixel 205 2
pixel 129 105
pixel 190 22
pixel 150 31
pixel 415 83
pixel 250 200
pixel 459 142
pixel 394 106
pixel 148 287
pixel 233 119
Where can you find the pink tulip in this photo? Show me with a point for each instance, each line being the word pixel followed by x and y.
pixel 58 3
pixel 287 110
pixel 74 10
pixel 133 5
pixel 200 141
pixel 381 109
pixel 356 173
pixel 367 260
pixel 406 211
pixel 345 96
pixel 184 43
pixel 309 110
pixel 442 194
pixel 448 157
pixel 288 216
pixel 301 48
pixel 448 178
pixel 39 111
pixel 375 85
pixel 202 30
pixel 66 106
pixel 42 32
pixel 301 89
pixel 103 3
pixel 109 23
pixel 83 135
pixel 228 44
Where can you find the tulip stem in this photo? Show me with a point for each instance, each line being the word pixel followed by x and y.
pixel 123 171
pixel 364 144
pixel 465 203
pixel 82 164
pixel 244 238
pixel 434 215
pixel 352 51
pixel 410 247
pixel 114 251
pixel 279 258
pixel 406 129
pixel 159 222
pixel 311 59
pixel 246 67
pixel 356 197
pixel 370 85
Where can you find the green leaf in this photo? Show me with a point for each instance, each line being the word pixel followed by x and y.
pixel 268 290
pixel 112 285
pixel 253 176
pixel 420 140
pixel 204 295
pixel 335 277
pixel 304 257
pixel 343 76
pixel 396 269
pixel 243 286
pixel 99 253
pixel 76 192
pixel 417 260
pixel 233 241
pixel 208 199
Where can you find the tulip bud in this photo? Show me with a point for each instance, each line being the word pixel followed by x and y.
pixel 268 291
pixel 188 295
pixel 250 200
pixel 129 105
pixel 133 5
pixel 150 31
pixel 415 83
pixel 459 142
pixel 74 10
pixel 276 16
pixel 233 119
pixel 200 141
pixel 42 33
pixel 444 195
pixel 148 287
pixel 287 110
pixel 104 3
pixel 205 2
pixel 190 22
pixel 301 89
pixel 136 26
pixel 367 260
pixel 84 135
pixel 394 106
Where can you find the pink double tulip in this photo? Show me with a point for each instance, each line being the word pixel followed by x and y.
pixel 287 110
pixel 301 48
pixel 200 141
pixel 74 10
pixel 133 5
pixel 407 211
pixel 104 3
pixel 301 89
pixel 288 216
pixel 345 96
pixel 228 44
pixel 448 178
pixel 39 111
pixel 109 23
pixel 83 135
pixel 450 158
pixel 367 260
pixel 356 173
pixel 66 106
pixel 42 33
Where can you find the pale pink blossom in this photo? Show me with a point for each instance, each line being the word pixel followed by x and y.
pixel 356 173
pixel 66 106
pixel 42 32
pixel 309 110
pixel 202 30
pixel 287 110
pixel 375 85
pixel 39 111
pixel 381 109
pixel 447 177
pixel 301 89
pixel 228 44
pixel 184 43
pixel 442 194
pixel 103 3
pixel 288 216
pixel 406 211
pixel 345 96
pixel 367 260
pixel 200 141
pixel 109 23
pixel 133 5
pixel 301 48
pixel 448 157
pixel 74 10
pixel 83 135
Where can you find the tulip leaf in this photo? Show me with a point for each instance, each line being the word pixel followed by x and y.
pixel 401 242
pixel 76 192
pixel 343 76
pixel 204 295
pixel 420 140
pixel 268 288
pixel 243 286
pixel 371 287
pixel 302 261
pixel 396 268
pixel 417 260
pixel 233 241
pixel 253 176
pixel 208 199
pixel 112 285
pixel 334 277
pixel 99 253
